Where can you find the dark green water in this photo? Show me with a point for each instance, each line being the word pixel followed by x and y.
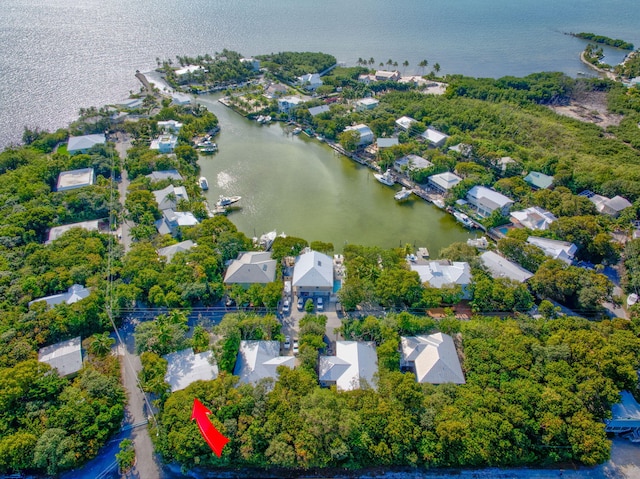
pixel 299 186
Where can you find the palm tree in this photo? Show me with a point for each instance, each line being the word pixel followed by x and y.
pixel 361 61
pixel 423 64
pixel 100 344
pixel 389 62
pixel 436 67
pixel 371 61
pixel 405 64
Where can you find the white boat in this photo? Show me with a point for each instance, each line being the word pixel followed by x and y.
pixel 267 119
pixel 260 119
pixel 464 219
pixel 403 194
pixel 297 131
pixel 439 203
pixel 480 243
pixel 207 147
pixel 227 200
pixel 204 184
pixel 632 299
pixel 385 178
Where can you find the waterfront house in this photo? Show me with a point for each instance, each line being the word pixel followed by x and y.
pixel 75 293
pixel 65 356
pixel 165 143
pixel 538 180
pixel 534 218
pixel 188 69
pixel 562 250
pixel 178 98
pixel 441 273
pixel 607 206
pixel 252 63
pixel 165 175
pixel 289 103
pixel 486 201
pixel 443 182
pixel 258 360
pixel 310 81
pixel 386 75
pixel 70 180
pixel 168 198
pixel 366 135
pixel 354 366
pixel 386 142
pixel 366 104
pixel 432 358
pixel 251 267
pixel 130 103
pixel 172 220
pixel 434 137
pixel 366 78
pixel 500 267
pixel 186 367
pixel 411 163
pixel 404 122
pixel 170 126
pixel 170 251
pixel 81 144
pixel 93 225
pixel 317 110
pixel 275 90
pixel 313 275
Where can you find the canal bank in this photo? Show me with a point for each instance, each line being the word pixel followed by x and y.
pixel 300 186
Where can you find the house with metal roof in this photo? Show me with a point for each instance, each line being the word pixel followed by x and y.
pixel 186 367
pixel 432 358
pixel 75 293
pixel 443 182
pixel 170 251
pixel 258 360
pixel 168 197
pixel 165 175
pixel 365 104
pixel 539 180
pixel 130 103
pixel 317 110
pixel 434 137
pixel 411 163
pixel 615 205
pixel 404 122
pixel 275 90
pixel 310 81
pixel 440 273
pixel 366 134
pixel 386 75
pixel 354 366
pixel 178 98
pixel 313 274
pixel 251 267
pixel 562 250
pixel 172 220
pixel 486 201
pixel 500 267
pixel 386 142
pixel 170 125
pixel 288 103
pixel 80 144
pixel 57 231
pixel 534 218
pixel 70 180
pixel 65 356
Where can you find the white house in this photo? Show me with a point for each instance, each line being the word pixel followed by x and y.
pixel 170 251
pixel 353 367
pixel 130 103
pixel 411 163
pixel 186 367
pixel 275 90
pixel 178 98
pixel 440 273
pixel 172 220
pixel 65 356
pixel 188 69
pixel 80 144
pixel 253 63
pixel 75 293
pixel 165 143
pixel 366 135
pixel 313 274
pixel 486 201
pixel 404 122
pixel 615 205
pixel 500 267
pixel 365 104
pixel 258 360
pixel 168 198
pixel 310 81
pixel 443 182
pixel 562 250
pixel 251 267
pixel 385 75
pixel 434 137
pixel 366 78
pixel 432 358
pixel 70 180
pixel 172 126
pixel 57 231
pixel 288 103
pixel 534 218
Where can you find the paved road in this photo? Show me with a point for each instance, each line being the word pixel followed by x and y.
pixel 123 143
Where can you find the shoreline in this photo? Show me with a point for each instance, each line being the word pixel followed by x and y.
pixel 607 73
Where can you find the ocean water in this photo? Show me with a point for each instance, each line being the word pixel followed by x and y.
pixel 61 55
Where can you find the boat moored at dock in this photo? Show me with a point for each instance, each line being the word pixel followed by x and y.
pixel 204 184
pixel 385 178
pixel 464 219
pixel 227 200
pixel 403 194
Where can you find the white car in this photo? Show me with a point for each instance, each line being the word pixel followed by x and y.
pixel 295 346
pixel 287 343
pixel 285 306
pixel 319 304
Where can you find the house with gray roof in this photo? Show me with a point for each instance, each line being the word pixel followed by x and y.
pixel 313 275
pixel 365 104
pixel 386 142
pixel 170 251
pixel 486 201
pixel 172 220
pixel 615 205
pixel 354 366
pixel 251 267
pixel 80 144
pixel 186 367
pixel 534 218
pixel 288 103
pixel 443 182
pixel 562 250
pixel 57 231
pixel 404 122
pixel 411 163
pixel 316 110
pixel 432 358
pixel 75 293
pixel 165 175
pixel 539 180
pixel 258 360
pixel 500 267
pixel 440 273
pixel 386 75
pixel 65 356
pixel 178 98
pixel 434 137
pixel 310 81
pixel 366 134
pixel 72 179
pixel 168 198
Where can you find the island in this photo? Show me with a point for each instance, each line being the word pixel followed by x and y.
pixel 509 350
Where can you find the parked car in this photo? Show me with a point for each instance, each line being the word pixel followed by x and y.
pixel 287 343
pixel 285 306
pixel 319 304
pixel 300 304
pixel 295 346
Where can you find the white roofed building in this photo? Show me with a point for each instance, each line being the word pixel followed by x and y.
pixel 70 180
pixel 165 175
pixel 251 267
pixel 500 267
pixel 313 274
pixel 317 110
pixel 178 98
pixel 57 231
pixel 310 81
pixel 259 360
pixel 385 75
pixel 562 250
pixel 75 293
pixel 411 163
pixel 353 367
pixel 366 104
pixel 186 367
pixel 167 198
pixel 534 218
pixel 65 356
pixel 443 182
pixel 172 220
pixel 170 251
pixel 366 135
pixel 615 205
pixel 386 142
pixel 441 273
pixel 188 69
pixel 170 125
pixel 486 201
pixel 404 122
pixel 433 358
pixel 434 137
pixel 80 144
pixel 288 103
pixel 165 143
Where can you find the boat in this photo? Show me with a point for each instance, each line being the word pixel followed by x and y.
pixel 403 194
pixel 297 131
pixel 267 119
pixel 464 219
pixel 227 200
pixel 385 178
pixel 204 184
pixel 207 147
pixel 480 243
pixel 260 119
pixel 439 203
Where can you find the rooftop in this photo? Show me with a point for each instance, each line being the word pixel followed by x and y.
pixel 185 367
pixel 434 358
pixel 539 180
pixel 353 366
pixel 57 231
pixel 81 143
pixel 500 267
pixel 65 356
pixel 170 251
pixel 258 360
pixel 69 180
pixel 251 267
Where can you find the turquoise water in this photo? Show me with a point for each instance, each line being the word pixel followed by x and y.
pixel 61 55
pixel 337 284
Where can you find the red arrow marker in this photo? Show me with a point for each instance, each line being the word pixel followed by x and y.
pixel 210 434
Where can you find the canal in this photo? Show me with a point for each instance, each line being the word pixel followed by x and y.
pixel 299 186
